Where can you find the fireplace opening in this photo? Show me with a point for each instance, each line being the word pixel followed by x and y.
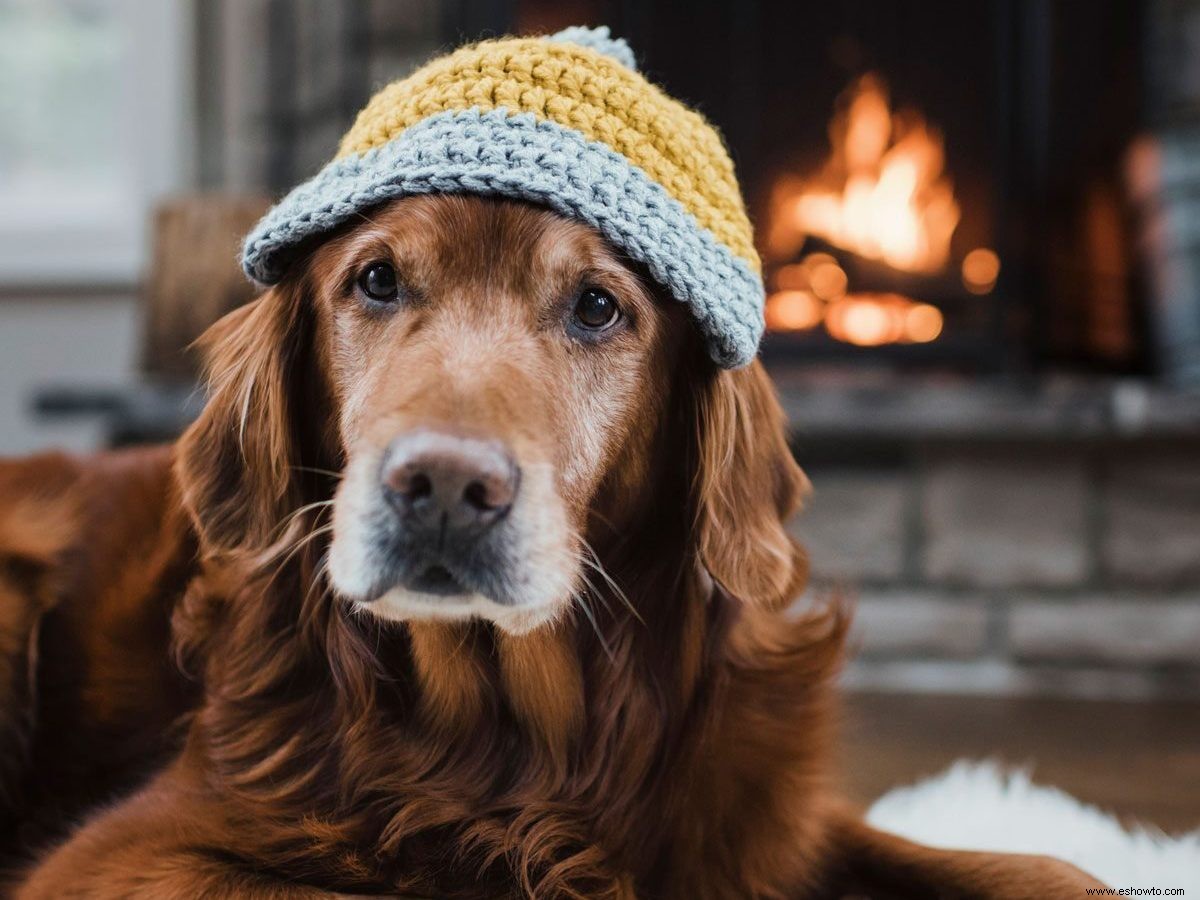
pixel 862 248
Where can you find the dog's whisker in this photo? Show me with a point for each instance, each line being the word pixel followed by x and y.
pixel 593 591
pixel 286 522
pixel 338 475
pixel 319 580
pixel 306 539
pixel 316 504
pixel 598 567
pixel 301 539
pixel 289 551
pixel 591 617
pixel 584 565
pixel 592 561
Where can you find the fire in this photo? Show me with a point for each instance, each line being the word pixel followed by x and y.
pixel 980 269
pixel 794 311
pixel 882 193
pixel 869 320
pixel 813 291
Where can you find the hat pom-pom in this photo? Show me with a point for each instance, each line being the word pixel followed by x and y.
pixel 598 39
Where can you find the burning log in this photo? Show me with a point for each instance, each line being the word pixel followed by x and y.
pixel 871 276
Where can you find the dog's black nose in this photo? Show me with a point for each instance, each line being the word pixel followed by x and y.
pixel 443 482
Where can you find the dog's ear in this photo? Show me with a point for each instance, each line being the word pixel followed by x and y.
pixel 237 463
pixel 747 486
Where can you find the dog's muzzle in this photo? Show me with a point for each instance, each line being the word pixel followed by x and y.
pixel 447 494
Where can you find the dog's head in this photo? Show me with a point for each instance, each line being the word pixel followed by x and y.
pixel 494 386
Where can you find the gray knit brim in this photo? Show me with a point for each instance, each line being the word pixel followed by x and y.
pixel 497 153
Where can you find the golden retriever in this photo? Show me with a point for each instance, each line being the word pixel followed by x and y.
pixel 477 567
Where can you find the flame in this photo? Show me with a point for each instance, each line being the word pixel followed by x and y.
pixel 980 269
pixel 793 311
pixel 922 323
pixel 869 320
pixel 881 194
pixel 813 292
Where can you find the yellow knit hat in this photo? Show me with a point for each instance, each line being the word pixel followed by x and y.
pixel 567 122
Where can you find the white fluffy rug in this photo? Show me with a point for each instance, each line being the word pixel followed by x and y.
pixel 980 806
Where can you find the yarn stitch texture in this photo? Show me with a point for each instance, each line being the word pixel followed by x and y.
pixel 561 124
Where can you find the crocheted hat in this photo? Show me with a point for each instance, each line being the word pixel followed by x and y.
pixel 564 121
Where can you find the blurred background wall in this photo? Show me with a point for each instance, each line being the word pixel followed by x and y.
pixel 980 233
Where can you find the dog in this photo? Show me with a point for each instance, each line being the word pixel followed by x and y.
pixel 471 580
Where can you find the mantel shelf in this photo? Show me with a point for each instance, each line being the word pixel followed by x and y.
pixel 915 409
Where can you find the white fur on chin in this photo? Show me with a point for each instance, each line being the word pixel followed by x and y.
pixel 403 605
pixel 982 806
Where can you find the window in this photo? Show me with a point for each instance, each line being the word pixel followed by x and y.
pixel 93 110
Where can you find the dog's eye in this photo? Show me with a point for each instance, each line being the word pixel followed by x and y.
pixel 596 310
pixel 378 281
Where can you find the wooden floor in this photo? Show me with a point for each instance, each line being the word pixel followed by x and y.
pixel 1138 760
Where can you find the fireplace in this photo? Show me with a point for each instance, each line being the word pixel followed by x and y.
pixel 936 184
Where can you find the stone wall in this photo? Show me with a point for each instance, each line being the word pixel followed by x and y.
pixel 985 565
